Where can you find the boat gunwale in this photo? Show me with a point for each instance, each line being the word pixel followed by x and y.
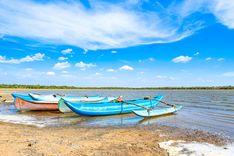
pixel 34 101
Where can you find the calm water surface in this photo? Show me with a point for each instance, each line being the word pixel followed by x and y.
pixel 211 111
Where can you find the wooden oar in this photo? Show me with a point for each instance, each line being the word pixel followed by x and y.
pixel 136 105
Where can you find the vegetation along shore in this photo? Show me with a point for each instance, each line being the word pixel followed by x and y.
pixel 18 86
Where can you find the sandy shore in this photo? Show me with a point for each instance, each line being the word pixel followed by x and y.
pixel 27 140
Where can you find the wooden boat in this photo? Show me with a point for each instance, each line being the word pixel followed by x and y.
pixel 26 103
pixel 47 102
pixel 111 108
pixel 157 112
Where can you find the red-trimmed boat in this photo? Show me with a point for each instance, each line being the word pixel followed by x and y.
pixel 26 103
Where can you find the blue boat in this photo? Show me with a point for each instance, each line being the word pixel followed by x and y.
pixel 64 109
pixel 111 108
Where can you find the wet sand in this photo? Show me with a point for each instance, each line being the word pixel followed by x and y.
pixel 28 140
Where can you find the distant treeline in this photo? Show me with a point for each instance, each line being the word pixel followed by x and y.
pixel 18 86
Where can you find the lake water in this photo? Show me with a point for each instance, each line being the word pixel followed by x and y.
pixel 211 111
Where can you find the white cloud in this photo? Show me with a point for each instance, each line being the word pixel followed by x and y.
pixel 110 70
pixel 62 65
pixel 182 59
pixel 28 69
pixel 220 59
pixel 66 51
pixel 197 53
pixel 36 57
pixel 50 73
pixel 105 25
pixel 62 58
pixel 208 58
pixel 85 51
pixel 113 51
pixel 151 59
pixel 64 72
pixel 224 11
pixel 163 77
pixel 228 74
pixel 83 66
pixel 126 67
pixel 98 74
pixel 102 26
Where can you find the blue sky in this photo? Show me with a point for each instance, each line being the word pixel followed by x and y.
pixel 137 43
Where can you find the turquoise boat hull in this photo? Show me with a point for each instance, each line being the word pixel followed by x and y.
pixel 111 108
pixel 157 112
pixel 64 109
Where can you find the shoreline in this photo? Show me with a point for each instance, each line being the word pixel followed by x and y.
pixel 28 86
pixel 17 139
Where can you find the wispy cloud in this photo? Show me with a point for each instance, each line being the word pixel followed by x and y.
pixel 62 65
pixel 83 66
pixel 50 73
pixel 28 69
pixel 228 74
pixel 64 72
pixel 102 26
pixel 151 59
pixel 221 59
pixel 85 51
pixel 36 57
pixel 66 51
pixel 223 11
pixel 208 58
pixel 182 59
pixel 196 54
pixel 126 67
pixel 163 77
pixel 113 51
pixel 110 70
pixel 215 59
pixel 62 58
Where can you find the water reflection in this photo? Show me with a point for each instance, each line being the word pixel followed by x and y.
pixel 54 118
